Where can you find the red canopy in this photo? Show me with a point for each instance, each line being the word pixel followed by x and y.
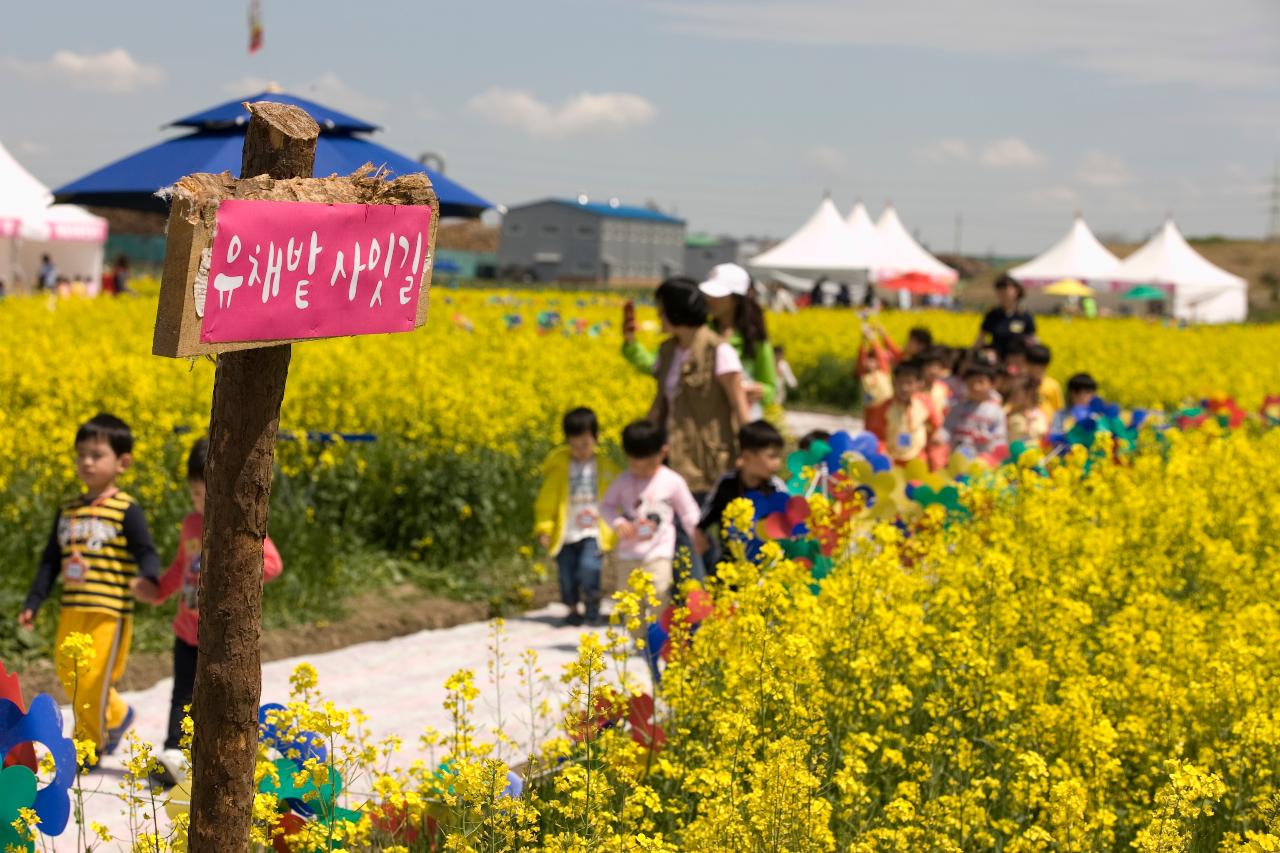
pixel 917 283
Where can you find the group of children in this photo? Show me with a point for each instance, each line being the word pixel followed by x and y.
pixel 928 401
pixel 101 550
pixel 924 401
pixel 586 508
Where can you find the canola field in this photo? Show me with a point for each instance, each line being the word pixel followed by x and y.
pixel 461 414
pixel 1083 659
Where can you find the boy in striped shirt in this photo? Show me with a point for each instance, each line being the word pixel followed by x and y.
pixel 98 545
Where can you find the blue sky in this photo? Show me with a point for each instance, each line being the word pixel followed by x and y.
pixel 737 115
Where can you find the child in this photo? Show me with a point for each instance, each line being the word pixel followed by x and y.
pixel 936 363
pixel 976 424
pixel 642 506
pixel 1015 358
pixel 1051 399
pixel 877 354
pixel 759 460
pixel 903 423
pixel 99 544
pixel 1081 389
pixel 786 376
pixel 919 341
pixel 1025 417
pixel 183 576
pixel 811 437
pixel 567 518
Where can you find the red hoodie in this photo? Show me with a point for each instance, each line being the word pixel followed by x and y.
pixel 184 575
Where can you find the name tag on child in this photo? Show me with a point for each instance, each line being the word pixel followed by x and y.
pixel 904 440
pixel 74 570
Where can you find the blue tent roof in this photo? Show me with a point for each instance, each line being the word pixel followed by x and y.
pixel 233 114
pixel 133 181
pixel 620 211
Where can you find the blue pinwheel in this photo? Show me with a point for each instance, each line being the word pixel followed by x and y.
pixel 41 723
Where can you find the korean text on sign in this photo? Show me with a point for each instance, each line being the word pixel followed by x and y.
pixel 287 270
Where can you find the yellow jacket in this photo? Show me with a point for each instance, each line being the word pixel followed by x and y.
pixel 551 509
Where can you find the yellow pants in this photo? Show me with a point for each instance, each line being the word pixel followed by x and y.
pixel 92 691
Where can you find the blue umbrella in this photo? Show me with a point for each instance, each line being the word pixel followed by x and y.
pixel 233 114
pixel 217 145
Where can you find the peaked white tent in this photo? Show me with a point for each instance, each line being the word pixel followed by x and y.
pixel 32 226
pixel 1078 255
pixel 859 222
pixel 902 254
pixel 823 247
pixel 1202 292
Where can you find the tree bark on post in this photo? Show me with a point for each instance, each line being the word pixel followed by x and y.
pixel 247 392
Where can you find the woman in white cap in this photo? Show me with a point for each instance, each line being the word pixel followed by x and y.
pixel 740 321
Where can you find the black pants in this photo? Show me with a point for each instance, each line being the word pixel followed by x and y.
pixel 184 682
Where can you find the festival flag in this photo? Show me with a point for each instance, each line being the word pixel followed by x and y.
pixel 255 26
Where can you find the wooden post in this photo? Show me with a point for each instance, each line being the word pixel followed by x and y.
pixel 247 392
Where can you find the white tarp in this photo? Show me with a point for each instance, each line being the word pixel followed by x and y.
pixel 823 247
pixel 32 226
pixel 1202 292
pixel 902 254
pixel 1078 255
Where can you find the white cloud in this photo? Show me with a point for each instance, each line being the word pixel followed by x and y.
pixel 31 149
pixel 829 159
pixel 1010 152
pixel 945 151
pixel 584 113
pixel 328 89
pixel 1102 170
pixel 1147 41
pixel 113 71
pixel 247 85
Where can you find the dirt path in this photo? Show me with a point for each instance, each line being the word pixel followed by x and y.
pixel 396 675
pixel 397 682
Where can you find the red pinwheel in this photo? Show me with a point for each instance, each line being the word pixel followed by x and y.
pixel 286 824
pixel 644 726
pixel 788 523
pixel 1226 411
pixel 698 605
pixel 604 712
pixel 393 819
pixel 24 754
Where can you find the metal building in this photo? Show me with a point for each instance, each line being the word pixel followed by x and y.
pixel 564 240
pixel 703 252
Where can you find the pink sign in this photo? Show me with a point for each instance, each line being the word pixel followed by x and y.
pixel 282 270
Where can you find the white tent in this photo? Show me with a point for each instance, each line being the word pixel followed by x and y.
pixel 902 254
pixel 1078 255
pixel 32 226
pixel 823 247
pixel 1202 292
pixel 859 222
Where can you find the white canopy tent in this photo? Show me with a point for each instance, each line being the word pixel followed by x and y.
pixel 859 222
pixel 1078 255
pixel 32 226
pixel 902 254
pixel 824 247
pixel 1202 292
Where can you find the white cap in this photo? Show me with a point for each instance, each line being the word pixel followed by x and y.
pixel 726 280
